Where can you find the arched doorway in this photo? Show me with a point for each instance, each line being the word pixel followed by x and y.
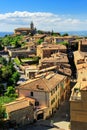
pixel 40 115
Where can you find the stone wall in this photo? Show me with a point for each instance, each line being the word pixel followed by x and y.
pixel 78 126
pixel 23 116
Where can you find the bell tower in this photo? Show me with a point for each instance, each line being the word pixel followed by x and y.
pixel 31 26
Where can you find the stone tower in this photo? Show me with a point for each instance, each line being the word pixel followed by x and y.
pixel 31 26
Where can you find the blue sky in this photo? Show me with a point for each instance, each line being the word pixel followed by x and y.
pixel 57 15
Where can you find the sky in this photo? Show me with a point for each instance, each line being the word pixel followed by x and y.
pixel 56 15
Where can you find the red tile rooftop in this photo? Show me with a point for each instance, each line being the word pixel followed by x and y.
pixel 85 88
pixel 55 59
pixel 22 29
pixel 42 84
pixel 20 103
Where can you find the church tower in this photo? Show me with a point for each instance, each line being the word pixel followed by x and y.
pixel 31 26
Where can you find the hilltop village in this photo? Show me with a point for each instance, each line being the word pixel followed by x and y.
pixel 37 71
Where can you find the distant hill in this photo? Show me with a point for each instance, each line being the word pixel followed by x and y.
pixel 2 34
pixel 78 33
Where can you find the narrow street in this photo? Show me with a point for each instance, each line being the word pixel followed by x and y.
pixel 59 119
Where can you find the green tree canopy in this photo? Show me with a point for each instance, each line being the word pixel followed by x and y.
pixel 40 41
pixel 9 74
pixel 3 61
pixel 11 92
pixel 1 89
pixel 6 72
pixel 1 47
pixel 65 34
pixel 2 112
pixel 12 41
pixel 15 76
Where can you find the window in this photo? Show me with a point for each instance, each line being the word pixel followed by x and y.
pixel 36 103
pixel 56 88
pixel 51 93
pixel 52 101
pixel 31 93
pixel 56 96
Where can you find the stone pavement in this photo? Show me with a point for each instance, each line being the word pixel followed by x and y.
pixel 59 119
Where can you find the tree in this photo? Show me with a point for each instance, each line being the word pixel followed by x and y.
pixel 40 32
pixel 2 112
pixel 55 33
pixel 6 41
pixel 15 77
pixel 3 61
pixel 1 47
pixel 52 32
pixel 17 44
pixel 40 41
pixel 6 72
pixel 65 34
pixel 9 74
pixel 11 66
pixel 0 75
pixel 11 92
pixel 3 115
pixel 1 89
pixel 11 41
pixel 64 43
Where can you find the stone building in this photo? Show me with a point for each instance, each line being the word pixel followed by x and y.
pixel 21 52
pixel 46 50
pixel 78 106
pixel 47 91
pixel 38 37
pixel 83 45
pixel 78 99
pixel 63 39
pixel 60 60
pixel 20 111
pixel 25 31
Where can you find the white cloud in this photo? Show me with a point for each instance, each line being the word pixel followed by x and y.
pixel 42 20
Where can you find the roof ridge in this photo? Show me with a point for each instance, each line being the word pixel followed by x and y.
pixel 29 82
pixel 45 83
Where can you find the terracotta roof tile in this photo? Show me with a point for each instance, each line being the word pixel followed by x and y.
pixel 42 84
pixel 22 29
pixel 18 104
